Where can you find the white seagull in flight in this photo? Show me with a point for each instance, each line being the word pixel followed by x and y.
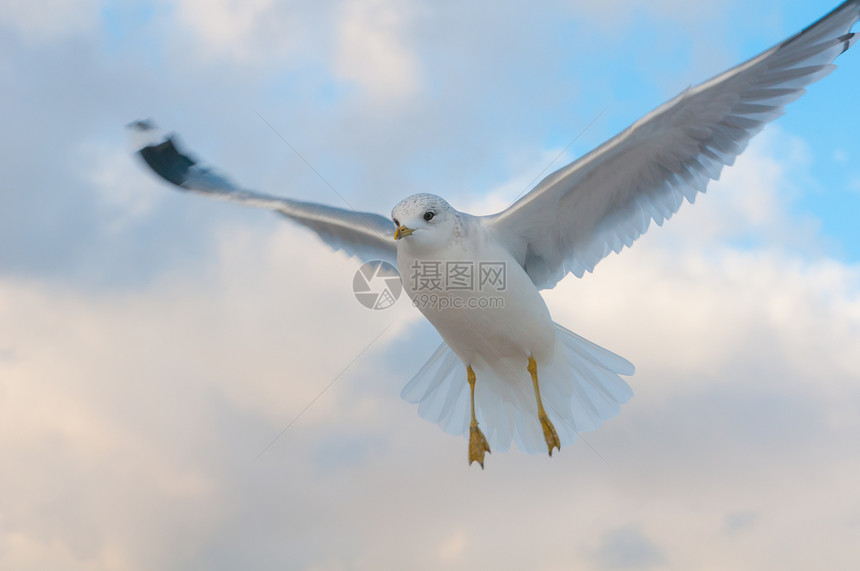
pixel 530 380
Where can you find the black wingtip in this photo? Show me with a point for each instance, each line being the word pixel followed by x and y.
pixel 167 162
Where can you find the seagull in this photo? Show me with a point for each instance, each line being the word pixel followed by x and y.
pixel 477 279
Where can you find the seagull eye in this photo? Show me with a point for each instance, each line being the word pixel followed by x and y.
pixel 428 216
pixel 396 223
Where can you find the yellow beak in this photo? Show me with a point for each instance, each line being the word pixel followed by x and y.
pixel 402 232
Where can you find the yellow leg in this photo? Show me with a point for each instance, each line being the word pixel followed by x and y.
pixel 477 442
pixel 549 433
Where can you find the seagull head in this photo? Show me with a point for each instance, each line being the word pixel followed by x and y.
pixel 424 221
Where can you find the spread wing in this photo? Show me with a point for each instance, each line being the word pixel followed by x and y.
pixel 364 235
pixel 607 199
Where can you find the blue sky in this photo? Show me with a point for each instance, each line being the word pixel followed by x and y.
pixel 153 343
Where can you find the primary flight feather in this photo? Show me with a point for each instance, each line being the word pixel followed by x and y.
pixel 505 372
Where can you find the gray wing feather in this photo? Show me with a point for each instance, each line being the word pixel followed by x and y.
pixel 607 199
pixel 364 235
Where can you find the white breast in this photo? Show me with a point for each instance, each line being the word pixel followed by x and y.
pixel 478 297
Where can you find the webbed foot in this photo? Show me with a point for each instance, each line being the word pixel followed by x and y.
pixel 478 445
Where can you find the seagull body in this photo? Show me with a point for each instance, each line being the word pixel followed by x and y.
pixel 504 364
pixel 493 340
pixel 517 324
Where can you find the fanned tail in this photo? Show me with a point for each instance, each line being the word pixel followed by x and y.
pixel 580 387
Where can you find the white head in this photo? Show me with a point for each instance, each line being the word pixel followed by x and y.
pixel 424 221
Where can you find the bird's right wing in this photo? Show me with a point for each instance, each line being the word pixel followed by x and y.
pixel 362 234
pixel 604 201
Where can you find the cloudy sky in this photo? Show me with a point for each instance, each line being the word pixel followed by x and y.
pixel 153 344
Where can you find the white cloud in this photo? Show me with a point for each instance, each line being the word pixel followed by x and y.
pixel 364 43
pixel 115 177
pixel 110 401
pixel 130 421
pixel 451 549
pixel 38 21
pixel 372 50
pixel 242 38
pixel 223 23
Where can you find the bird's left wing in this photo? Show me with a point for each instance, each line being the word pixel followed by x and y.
pixel 362 234
pixel 607 199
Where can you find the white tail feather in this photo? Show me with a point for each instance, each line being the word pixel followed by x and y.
pixel 580 388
